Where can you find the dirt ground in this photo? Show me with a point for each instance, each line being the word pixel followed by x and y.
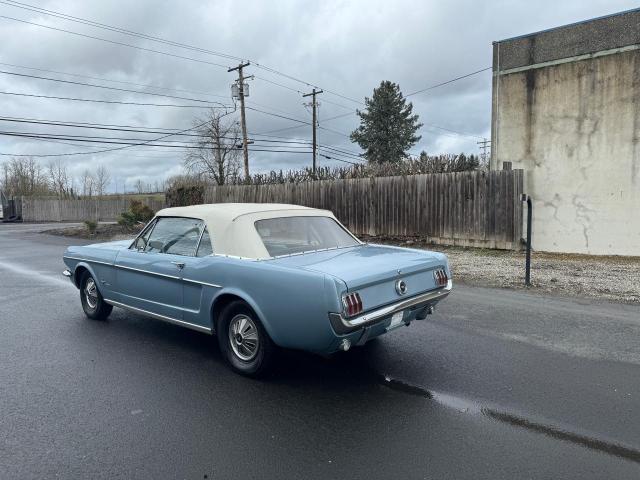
pixel 104 232
pixel 608 277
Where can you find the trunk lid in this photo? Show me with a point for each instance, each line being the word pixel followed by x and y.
pixel 373 270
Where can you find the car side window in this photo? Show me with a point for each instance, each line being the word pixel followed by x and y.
pixel 205 247
pixel 177 236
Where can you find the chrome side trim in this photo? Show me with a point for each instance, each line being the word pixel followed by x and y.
pixel 157 316
pixel 174 277
pixel 147 272
pixel 160 303
pixel 203 227
pixel 202 283
pixel 345 325
pixel 87 260
pixel 235 257
pixel 305 252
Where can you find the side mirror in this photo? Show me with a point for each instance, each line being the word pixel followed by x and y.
pixel 156 245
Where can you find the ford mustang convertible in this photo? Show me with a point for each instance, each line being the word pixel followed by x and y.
pixel 260 276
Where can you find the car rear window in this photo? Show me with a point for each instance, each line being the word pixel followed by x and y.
pixel 288 235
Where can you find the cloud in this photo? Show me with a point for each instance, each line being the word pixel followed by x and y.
pixel 344 47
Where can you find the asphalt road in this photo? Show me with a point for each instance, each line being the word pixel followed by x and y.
pixel 497 384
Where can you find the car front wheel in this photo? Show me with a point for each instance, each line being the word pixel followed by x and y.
pixel 243 341
pixel 93 304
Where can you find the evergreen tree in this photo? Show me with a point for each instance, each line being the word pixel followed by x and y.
pixel 387 125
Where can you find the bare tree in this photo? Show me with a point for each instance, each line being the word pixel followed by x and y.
pixel 88 184
pixel 102 179
pixel 59 178
pixel 217 156
pixel 24 176
pixel 139 186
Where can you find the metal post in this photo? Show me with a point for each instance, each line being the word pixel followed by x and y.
pixel 527 274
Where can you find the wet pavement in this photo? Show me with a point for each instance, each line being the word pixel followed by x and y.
pixel 496 384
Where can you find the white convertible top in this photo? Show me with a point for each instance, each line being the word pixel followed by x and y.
pixel 231 225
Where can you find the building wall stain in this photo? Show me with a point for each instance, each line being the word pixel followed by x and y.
pixel 574 129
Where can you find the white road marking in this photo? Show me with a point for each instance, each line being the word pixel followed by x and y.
pixel 27 272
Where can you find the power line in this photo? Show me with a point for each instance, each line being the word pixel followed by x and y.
pixel 84 84
pixel 102 79
pixel 448 81
pixel 340 151
pixel 109 149
pixel 159 40
pixel 113 102
pixel 161 155
pixel 124 31
pixel 126 143
pixel 355 154
pixel 338 159
pixel 278 84
pixel 112 41
pixel 304 122
pixel 292 127
pixel 339 116
pixel 460 134
pixel 156 130
pixel 334 131
pixel 191 47
pixel 279 116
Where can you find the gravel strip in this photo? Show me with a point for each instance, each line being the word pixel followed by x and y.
pixel 608 277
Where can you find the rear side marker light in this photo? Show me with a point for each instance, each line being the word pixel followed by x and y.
pixel 440 277
pixel 352 304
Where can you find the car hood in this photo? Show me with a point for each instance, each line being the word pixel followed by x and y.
pixel 366 264
pixel 115 245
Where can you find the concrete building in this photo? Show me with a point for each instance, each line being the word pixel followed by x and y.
pixel 566 109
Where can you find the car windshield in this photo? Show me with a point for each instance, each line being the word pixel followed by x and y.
pixel 287 235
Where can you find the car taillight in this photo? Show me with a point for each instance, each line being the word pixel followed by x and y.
pixel 440 277
pixel 352 303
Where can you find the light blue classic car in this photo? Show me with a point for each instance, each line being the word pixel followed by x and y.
pixel 260 276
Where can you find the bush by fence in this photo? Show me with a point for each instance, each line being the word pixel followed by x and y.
pixel 467 208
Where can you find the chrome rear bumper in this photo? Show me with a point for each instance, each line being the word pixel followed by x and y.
pixel 344 325
pixel 67 273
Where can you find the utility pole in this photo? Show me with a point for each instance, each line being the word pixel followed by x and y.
pixel 484 145
pixel 314 104
pixel 243 120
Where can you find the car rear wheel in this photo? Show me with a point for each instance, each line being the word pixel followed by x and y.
pixel 243 340
pixel 93 304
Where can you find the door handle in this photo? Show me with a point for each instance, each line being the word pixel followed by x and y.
pixel 180 265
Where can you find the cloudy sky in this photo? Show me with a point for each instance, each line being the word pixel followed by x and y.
pixel 344 47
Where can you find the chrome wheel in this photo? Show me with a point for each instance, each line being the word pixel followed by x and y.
pixel 91 293
pixel 243 337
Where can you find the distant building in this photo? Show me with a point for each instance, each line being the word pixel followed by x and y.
pixel 566 109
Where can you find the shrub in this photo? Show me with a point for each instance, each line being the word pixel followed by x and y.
pixel 91 225
pixel 126 219
pixel 138 213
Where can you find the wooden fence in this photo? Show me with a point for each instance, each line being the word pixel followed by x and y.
pixel 480 209
pixel 36 209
